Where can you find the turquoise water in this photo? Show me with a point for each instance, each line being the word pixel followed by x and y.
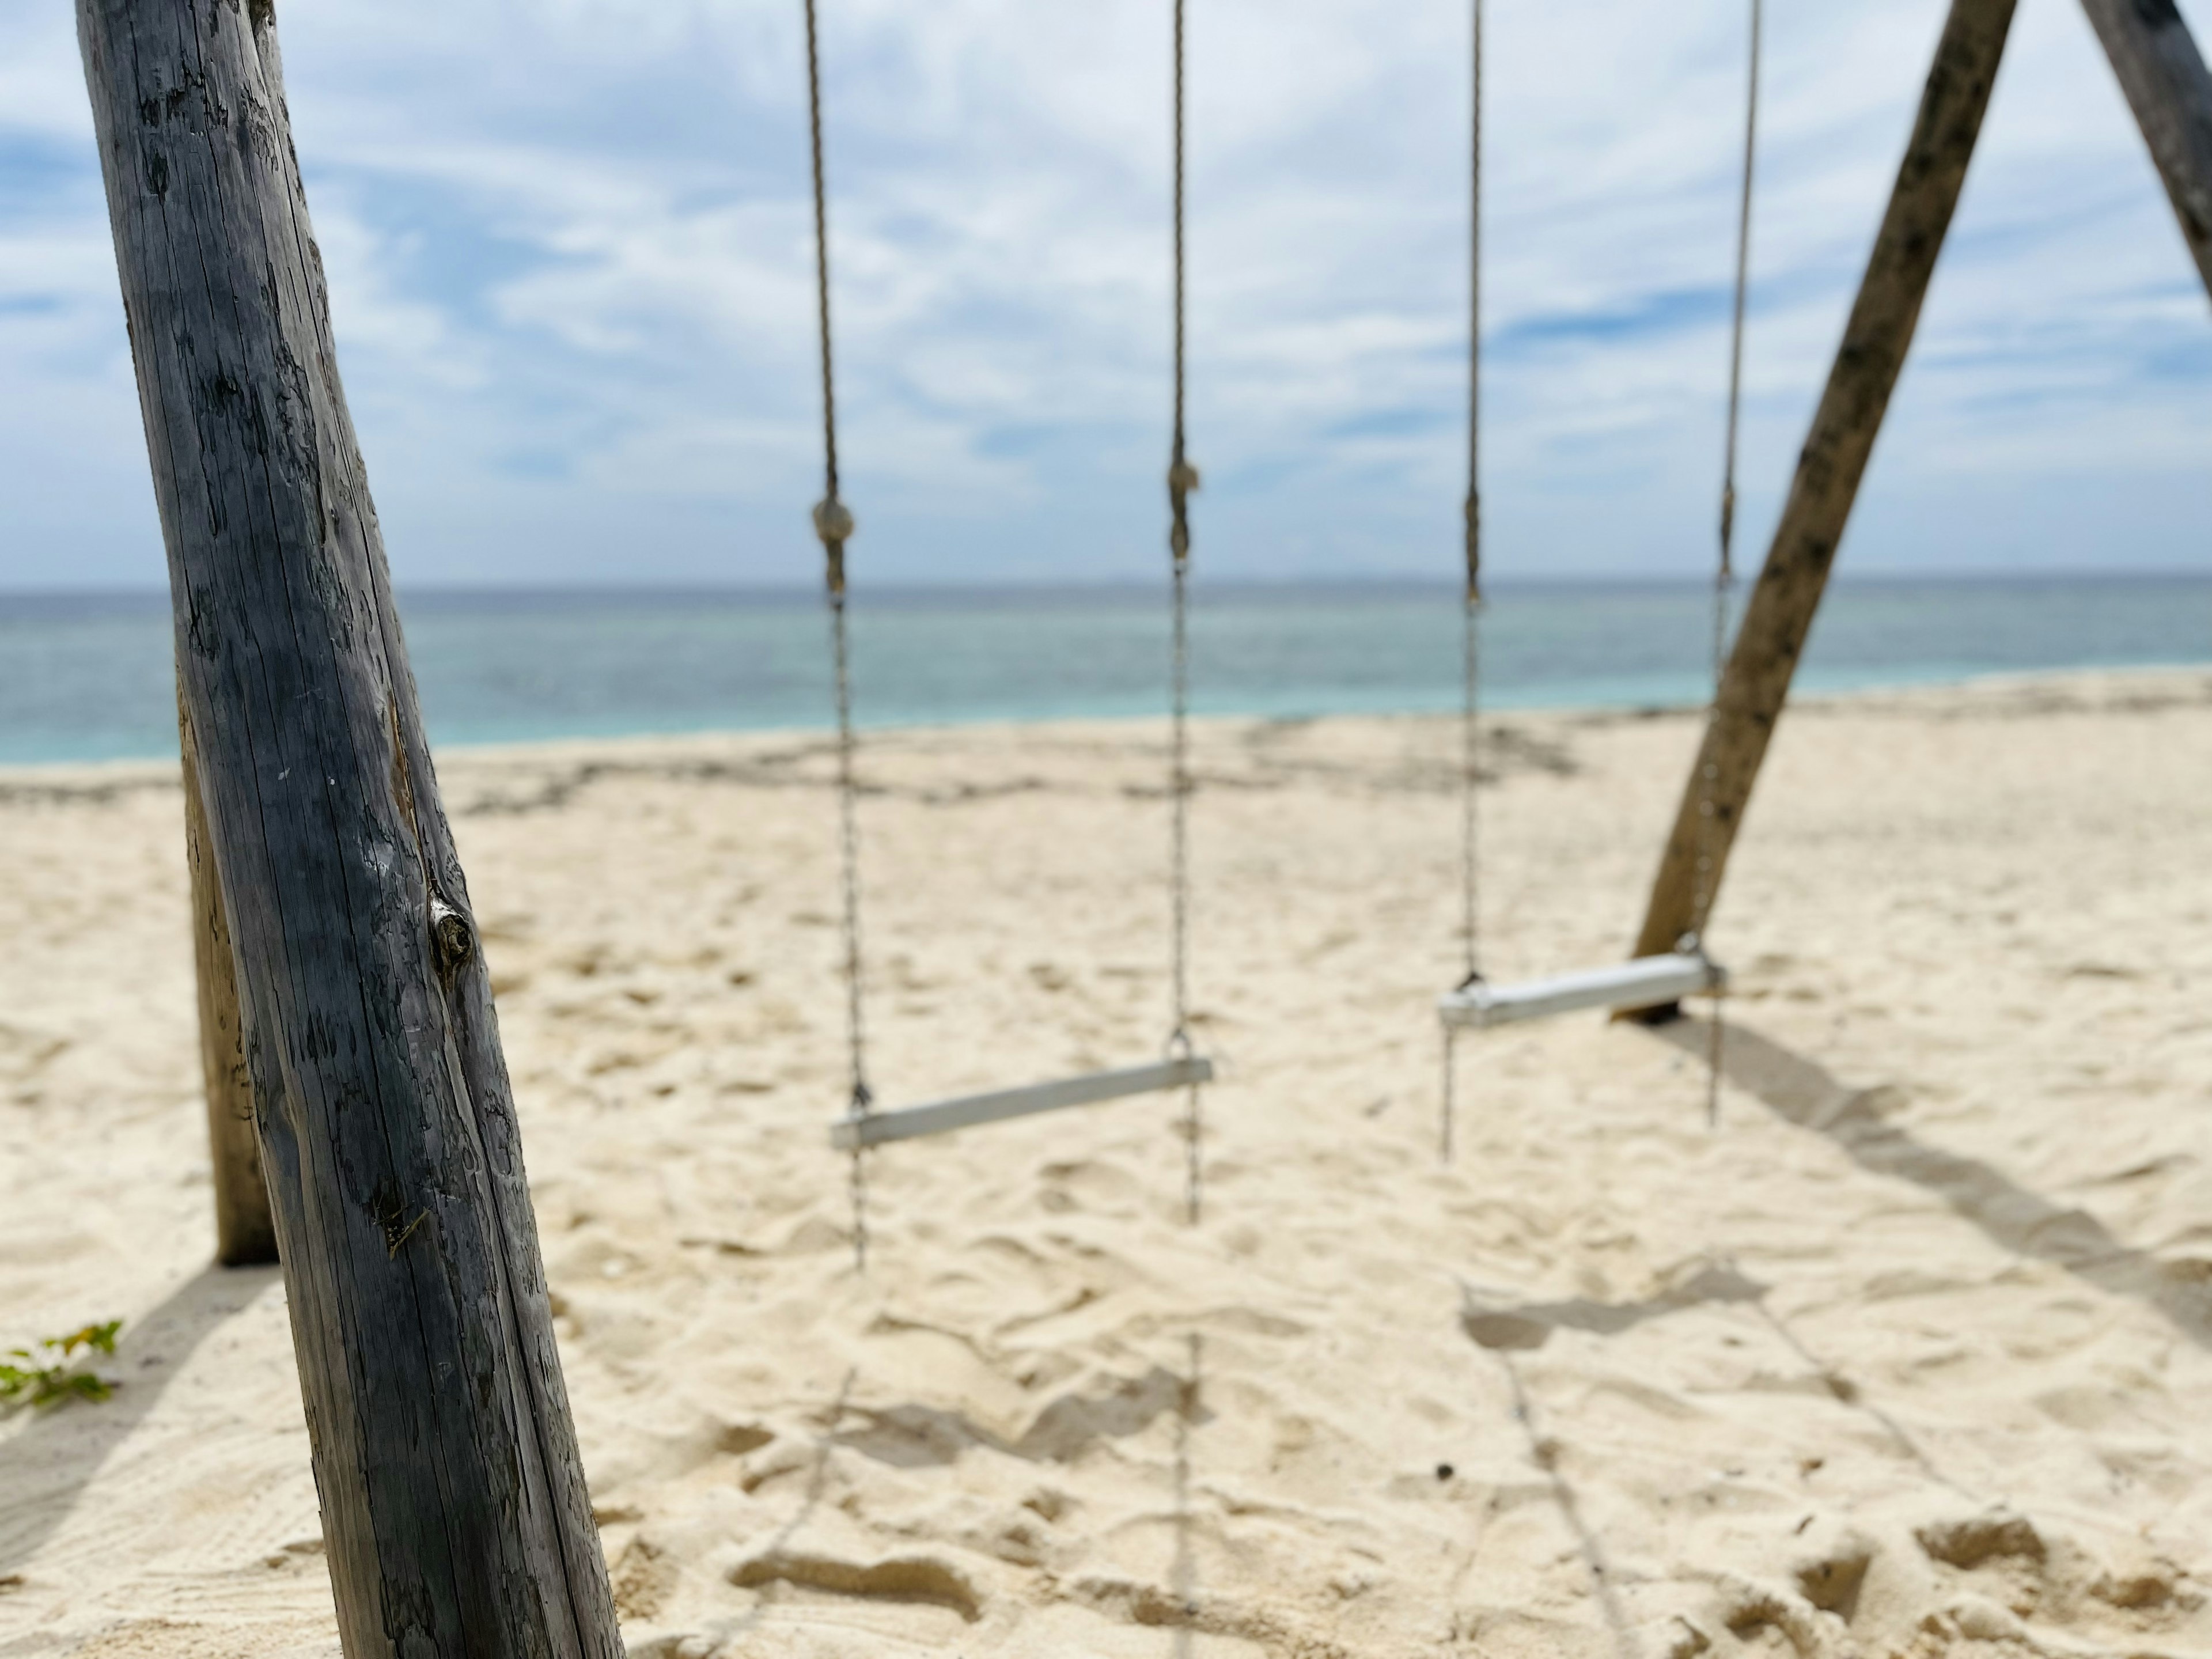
pixel 86 677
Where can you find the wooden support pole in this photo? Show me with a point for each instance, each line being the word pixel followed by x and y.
pixel 1771 635
pixel 245 1233
pixel 2163 74
pixel 454 1510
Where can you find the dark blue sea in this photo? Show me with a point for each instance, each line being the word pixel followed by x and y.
pixel 88 676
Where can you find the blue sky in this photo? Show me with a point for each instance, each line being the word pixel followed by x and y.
pixel 570 254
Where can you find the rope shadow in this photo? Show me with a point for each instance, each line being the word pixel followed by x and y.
pixel 1183 1573
pixel 1527 1326
pixel 725 1632
pixel 1544 1452
pixel 1505 1331
pixel 1801 1091
pixel 1850 1394
pixel 44 1471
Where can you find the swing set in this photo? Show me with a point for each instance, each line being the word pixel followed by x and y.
pixel 1475 1002
pixel 2165 83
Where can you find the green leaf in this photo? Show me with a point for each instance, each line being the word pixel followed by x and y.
pixel 102 1337
pixel 52 1384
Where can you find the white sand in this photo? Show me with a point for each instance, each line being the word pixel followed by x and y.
pixel 1910 1359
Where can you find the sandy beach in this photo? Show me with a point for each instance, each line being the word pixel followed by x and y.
pixel 1910 1356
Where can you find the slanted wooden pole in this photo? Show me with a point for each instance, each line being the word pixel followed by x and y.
pixel 454 1510
pixel 1775 622
pixel 2163 74
pixel 245 1233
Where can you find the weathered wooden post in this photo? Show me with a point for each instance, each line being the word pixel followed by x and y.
pixel 454 1510
pixel 1780 614
pixel 245 1233
pixel 2167 87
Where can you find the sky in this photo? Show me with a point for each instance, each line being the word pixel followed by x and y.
pixel 570 257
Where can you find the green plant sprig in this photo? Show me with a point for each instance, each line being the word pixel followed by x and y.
pixel 51 1374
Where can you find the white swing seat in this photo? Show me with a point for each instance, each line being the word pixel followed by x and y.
pixel 1644 982
pixel 964 1111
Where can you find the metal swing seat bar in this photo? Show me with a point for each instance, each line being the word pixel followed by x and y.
pixel 939 1117
pixel 1644 982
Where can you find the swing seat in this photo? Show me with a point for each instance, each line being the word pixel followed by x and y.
pixel 964 1111
pixel 1644 982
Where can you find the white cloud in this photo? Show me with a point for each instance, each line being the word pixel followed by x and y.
pixel 571 265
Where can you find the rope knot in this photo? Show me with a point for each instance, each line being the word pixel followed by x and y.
pixel 833 522
pixel 1183 478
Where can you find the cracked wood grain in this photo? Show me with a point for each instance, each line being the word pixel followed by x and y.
pixel 454 1506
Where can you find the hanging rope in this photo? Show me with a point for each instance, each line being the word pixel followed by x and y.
pixel 1724 577
pixel 1470 864
pixel 1183 478
pixel 833 523
pixel 1470 731
pixel 1736 333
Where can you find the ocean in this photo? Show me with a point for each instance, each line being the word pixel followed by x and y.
pixel 86 676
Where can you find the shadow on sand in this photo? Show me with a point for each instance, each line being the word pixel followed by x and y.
pixel 1183 1573
pixel 51 1458
pixel 1801 1091
pixel 1544 1452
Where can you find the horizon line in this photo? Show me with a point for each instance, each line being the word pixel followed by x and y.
pixel 987 587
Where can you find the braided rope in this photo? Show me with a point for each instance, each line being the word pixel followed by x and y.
pixel 834 525
pixel 1183 478
pixel 1724 577
pixel 1470 664
pixel 1470 862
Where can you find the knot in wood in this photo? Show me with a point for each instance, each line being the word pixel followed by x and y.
pixel 451 933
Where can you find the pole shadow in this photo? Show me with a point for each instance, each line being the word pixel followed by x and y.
pixel 50 1460
pixel 1801 1091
